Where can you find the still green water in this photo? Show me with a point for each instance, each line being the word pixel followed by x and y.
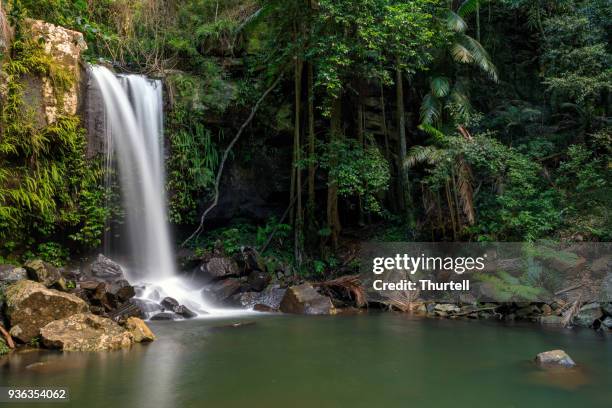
pixel 375 360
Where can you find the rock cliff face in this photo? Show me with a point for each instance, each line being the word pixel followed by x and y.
pixel 65 46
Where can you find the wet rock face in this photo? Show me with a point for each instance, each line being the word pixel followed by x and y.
pixel 30 306
pixel 85 332
pixel 223 290
pixel 554 358
pixel 65 46
pixel 304 299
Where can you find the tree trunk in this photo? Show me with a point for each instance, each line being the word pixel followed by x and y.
pixel 405 200
pixel 297 157
pixel 311 147
pixel 333 216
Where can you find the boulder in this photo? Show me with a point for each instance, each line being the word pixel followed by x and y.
pixel 85 332
pixel 147 307
pixel 122 290
pixel 184 311
pixel 30 306
pixel 221 267
pixel 224 289
pixel 554 358
pixel 258 280
pixel 304 299
pixel 607 322
pixel 270 297
pixel 139 330
pixel 250 260
pixel 106 269
pixel 45 273
pixel 446 308
pixel 587 315
pixel 169 303
pixel 10 274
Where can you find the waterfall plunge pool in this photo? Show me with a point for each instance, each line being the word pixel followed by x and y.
pixel 371 360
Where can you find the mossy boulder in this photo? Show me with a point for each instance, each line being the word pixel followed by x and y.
pixel 45 273
pixel 30 306
pixel 85 332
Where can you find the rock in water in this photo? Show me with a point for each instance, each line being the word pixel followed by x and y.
pixel 304 299
pixel 554 358
pixel 139 330
pixel 169 303
pixel 107 269
pixel 222 290
pixel 30 306
pixel 587 315
pixel 45 273
pixel 85 332
pixel 184 311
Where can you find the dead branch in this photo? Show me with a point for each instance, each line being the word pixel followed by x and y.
pixel 226 155
pixel 351 284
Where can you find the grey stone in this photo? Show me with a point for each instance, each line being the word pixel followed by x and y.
pixel 554 358
pixel 587 315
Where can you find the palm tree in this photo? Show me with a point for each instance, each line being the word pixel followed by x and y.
pixel 446 90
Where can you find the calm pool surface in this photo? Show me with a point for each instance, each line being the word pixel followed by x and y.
pixel 375 360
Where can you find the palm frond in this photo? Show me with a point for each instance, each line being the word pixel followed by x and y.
pixel 440 86
pixel 423 154
pixel 470 6
pixel 455 23
pixel 460 100
pixel 430 109
pixel 435 133
pixel 479 56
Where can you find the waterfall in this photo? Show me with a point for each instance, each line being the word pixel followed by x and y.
pixel 133 109
pixel 134 128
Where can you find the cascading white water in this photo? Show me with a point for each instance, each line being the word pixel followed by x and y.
pixel 133 108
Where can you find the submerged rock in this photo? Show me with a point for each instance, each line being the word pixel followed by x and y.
pixel 139 330
pixel 85 332
pixel 30 306
pixel 304 299
pixel 165 316
pixel 554 358
pixel 106 269
pixel 587 315
pixel 45 273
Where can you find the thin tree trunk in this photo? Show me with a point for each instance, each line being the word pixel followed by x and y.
pixel 311 146
pixel 478 21
pixel 405 199
pixel 333 216
pixel 226 156
pixel 297 157
pixel 361 140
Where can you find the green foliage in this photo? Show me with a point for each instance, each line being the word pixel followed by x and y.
pixel 358 170
pixel 47 187
pixel 4 349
